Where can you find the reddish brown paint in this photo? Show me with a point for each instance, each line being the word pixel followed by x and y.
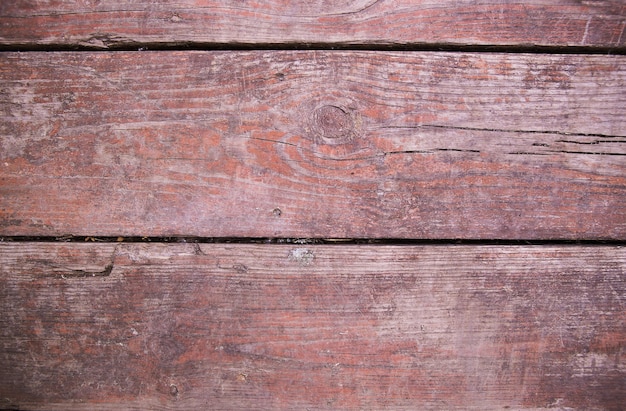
pixel 185 326
pixel 210 143
pixel 312 144
pixel 383 22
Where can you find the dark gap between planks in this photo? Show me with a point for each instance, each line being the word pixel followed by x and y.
pixel 296 241
pixel 200 46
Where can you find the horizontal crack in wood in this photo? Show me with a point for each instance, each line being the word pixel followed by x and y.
pixel 497 130
pixel 86 273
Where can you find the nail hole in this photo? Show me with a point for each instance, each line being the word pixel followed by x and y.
pixel 173 390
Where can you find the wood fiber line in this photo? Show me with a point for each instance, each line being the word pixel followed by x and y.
pixel 196 326
pixel 313 144
pixel 105 24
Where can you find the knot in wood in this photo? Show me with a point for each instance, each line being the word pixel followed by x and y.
pixel 333 124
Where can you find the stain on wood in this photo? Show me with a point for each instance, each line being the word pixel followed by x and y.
pixel 127 23
pixel 429 124
pixel 188 326
pixel 313 144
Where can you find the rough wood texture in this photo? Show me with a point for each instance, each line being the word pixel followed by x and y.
pixel 105 24
pixel 196 326
pixel 313 144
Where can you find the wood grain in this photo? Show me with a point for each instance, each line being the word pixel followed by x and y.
pixel 105 24
pixel 313 144
pixel 195 326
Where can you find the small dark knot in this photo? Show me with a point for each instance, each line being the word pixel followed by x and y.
pixel 333 124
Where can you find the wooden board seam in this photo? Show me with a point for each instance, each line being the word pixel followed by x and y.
pixel 404 47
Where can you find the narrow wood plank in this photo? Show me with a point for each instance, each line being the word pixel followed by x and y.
pixel 196 326
pixel 104 24
pixel 313 144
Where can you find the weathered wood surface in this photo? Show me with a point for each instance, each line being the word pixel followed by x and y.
pixel 313 144
pixel 104 24
pixel 197 326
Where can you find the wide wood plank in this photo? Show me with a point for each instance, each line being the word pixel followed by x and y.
pixel 196 326
pixel 313 144
pixel 104 24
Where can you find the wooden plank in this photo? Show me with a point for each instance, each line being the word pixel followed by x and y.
pixel 104 24
pixel 313 144
pixel 194 326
